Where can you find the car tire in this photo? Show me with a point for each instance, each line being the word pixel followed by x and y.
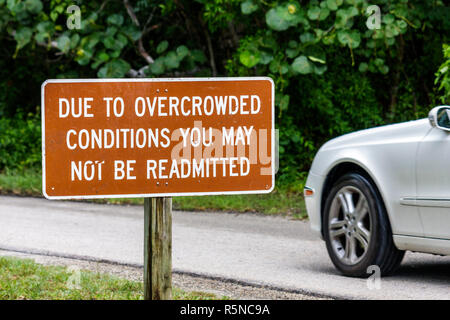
pixel 356 228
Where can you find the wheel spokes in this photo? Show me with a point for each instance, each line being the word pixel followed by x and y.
pixel 350 248
pixel 337 228
pixel 361 208
pixel 337 224
pixel 343 203
pixel 349 228
pixel 363 236
pixel 346 201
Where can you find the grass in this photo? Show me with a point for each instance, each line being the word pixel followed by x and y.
pixel 23 279
pixel 281 201
pixel 28 183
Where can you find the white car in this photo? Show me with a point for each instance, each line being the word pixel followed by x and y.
pixel 375 193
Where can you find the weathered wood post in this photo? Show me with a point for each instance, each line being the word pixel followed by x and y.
pixel 158 248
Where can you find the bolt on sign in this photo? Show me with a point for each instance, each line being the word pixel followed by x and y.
pixel 157 137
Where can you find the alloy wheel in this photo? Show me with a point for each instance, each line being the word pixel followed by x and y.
pixel 350 225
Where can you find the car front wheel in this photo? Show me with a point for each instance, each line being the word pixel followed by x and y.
pixel 357 230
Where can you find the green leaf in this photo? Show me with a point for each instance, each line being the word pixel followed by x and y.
pixel 302 65
pixel 341 18
pixel 371 43
pixel 109 42
pixel 379 62
pixel 114 69
pixel 292 44
pixel 384 69
pixel 22 37
pixel 351 38
pixel 111 31
pixel 132 32
pixel 324 13
pixel 274 66
pixel 307 37
pixel 363 66
pixel 316 54
pixel 249 58
pixel 390 41
pixel 391 31
pixel 41 37
pixel 115 53
pixel 319 70
pixel 317 59
pixel 84 56
pixel 343 36
pixel 54 15
pixel 63 43
pixel 332 5
pixel 402 26
pixel 121 40
pixel 102 56
pixel 157 67
pixel 275 21
pixel 182 51
pixel 292 52
pixel 33 6
pixel 290 12
pixel 162 46
pixel 45 27
pixel 248 7
pixel 284 102
pixel 352 12
pixel 115 19
pixel 314 13
pixel 74 40
pixel 198 56
pixel 355 39
pixel 388 18
pixel 284 68
pixel 90 41
pixel 266 57
pixel 171 60
pixel 284 16
pixel 116 44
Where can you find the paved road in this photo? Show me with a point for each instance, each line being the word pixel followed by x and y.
pixel 259 250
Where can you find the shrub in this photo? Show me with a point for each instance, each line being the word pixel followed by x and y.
pixel 20 142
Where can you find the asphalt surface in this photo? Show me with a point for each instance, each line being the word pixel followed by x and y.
pixel 252 249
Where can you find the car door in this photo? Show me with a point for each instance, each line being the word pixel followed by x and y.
pixel 433 183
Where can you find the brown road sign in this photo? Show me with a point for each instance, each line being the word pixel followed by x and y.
pixel 157 137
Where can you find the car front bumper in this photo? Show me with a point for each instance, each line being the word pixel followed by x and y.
pixel 313 195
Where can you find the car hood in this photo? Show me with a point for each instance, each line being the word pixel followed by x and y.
pixel 380 135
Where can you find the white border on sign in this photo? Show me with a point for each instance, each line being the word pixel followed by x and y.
pixel 156 194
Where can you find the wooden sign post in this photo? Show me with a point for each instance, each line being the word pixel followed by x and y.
pixel 157 138
pixel 158 248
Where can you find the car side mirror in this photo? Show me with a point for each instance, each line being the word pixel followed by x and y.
pixel 440 117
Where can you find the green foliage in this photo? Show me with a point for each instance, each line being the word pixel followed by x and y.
pixel 443 76
pixel 103 42
pixel 332 73
pixel 20 142
pixel 248 7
